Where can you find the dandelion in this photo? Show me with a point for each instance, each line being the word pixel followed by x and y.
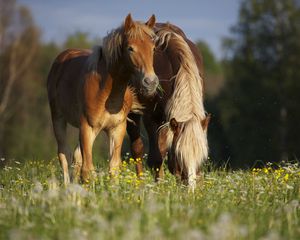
pixel 266 170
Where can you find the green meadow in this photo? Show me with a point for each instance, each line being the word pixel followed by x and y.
pixel 255 204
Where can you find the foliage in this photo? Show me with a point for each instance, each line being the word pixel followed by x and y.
pixel 19 38
pixel 257 108
pixel 213 74
pixel 80 40
pixel 211 65
pixel 25 123
pixel 258 204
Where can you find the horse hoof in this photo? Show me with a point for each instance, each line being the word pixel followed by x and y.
pixel 88 176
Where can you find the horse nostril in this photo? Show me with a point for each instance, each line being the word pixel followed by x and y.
pixel 150 83
pixel 147 81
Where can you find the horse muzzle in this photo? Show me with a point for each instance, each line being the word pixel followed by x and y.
pixel 149 85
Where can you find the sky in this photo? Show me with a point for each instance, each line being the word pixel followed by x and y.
pixel 208 20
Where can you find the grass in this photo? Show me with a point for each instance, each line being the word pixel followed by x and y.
pixel 255 204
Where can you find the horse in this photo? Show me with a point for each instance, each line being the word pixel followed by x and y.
pixel 175 119
pixel 94 90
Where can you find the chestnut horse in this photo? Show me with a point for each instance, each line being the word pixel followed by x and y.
pixel 93 91
pixel 175 120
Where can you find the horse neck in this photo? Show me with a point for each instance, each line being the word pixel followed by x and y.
pixel 120 77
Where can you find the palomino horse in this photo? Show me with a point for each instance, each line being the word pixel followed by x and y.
pixel 93 91
pixel 175 120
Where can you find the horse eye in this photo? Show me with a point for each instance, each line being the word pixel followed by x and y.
pixel 130 49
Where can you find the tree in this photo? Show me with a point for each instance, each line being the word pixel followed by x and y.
pixel 213 84
pixel 213 76
pixel 259 104
pixel 80 40
pixel 18 40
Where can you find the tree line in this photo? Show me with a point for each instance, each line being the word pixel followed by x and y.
pixel 252 92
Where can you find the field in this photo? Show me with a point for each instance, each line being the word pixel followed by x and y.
pixel 254 204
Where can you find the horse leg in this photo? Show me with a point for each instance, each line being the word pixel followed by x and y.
pixel 191 178
pixel 64 154
pixel 87 137
pixel 116 137
pixel 174 167
pixel 137 146
pixel 155 160
pixel 77 163
pixel 162 142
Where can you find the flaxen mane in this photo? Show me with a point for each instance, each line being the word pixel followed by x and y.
pixel 112 43
pixel 186 106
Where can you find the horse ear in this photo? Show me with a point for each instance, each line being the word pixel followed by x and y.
pixel 205 122
pixel 173 124
pixel 151 22
pixel 128 23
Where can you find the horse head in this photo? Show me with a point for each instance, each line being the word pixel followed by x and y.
pixel 138 49
pixel 178 129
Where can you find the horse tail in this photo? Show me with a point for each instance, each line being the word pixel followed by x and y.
pixel 186 106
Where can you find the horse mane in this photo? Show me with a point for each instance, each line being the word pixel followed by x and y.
pixel 93 59
pixel 186 103
pixel 112 43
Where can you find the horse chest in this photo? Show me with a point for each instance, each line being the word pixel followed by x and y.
pixel 103 119
pixel 108 111
pixel 115 119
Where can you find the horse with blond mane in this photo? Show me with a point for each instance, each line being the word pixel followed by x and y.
pixel 175 120
pixel 95 90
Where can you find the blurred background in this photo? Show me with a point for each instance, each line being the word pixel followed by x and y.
pixel 251 51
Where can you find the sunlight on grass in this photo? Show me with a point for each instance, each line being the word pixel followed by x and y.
pixel 260 203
